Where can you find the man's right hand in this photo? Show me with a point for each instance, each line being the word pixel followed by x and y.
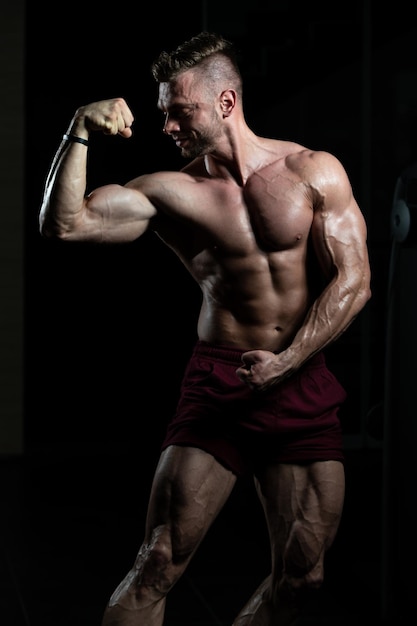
pixel 112 117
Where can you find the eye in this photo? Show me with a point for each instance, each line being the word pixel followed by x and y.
pixel 186 111
pixel 181 112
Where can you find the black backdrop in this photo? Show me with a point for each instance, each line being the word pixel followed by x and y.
pixel 108 330
pixel 102 324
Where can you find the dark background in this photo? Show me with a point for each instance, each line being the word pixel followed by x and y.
pixel 108 330
pixel 332 79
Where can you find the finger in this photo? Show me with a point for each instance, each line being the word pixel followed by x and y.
pixel 126 132
pixel 247 360
pixel 244 374
pixel 119 126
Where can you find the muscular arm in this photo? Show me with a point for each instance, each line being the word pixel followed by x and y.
pixel 342 238
pixel 111 213
pixel 339 237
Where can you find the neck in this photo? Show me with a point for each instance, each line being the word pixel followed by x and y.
pixel 237 157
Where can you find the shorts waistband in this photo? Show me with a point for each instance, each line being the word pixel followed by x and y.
pixel 218 351
pixel 232 355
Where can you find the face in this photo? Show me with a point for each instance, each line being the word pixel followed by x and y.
pixel 192 122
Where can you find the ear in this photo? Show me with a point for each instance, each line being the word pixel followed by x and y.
pixel 228 99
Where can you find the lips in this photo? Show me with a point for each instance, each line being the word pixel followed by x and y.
pixel 180 140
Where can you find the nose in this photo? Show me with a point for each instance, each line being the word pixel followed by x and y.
pixel 170 125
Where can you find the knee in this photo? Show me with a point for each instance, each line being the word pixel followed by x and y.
pixel 143 590
pixel 296 590
pixel 301 584
pixel 154 569
pixel 139 593
pixel 303 560
pixel 300 595
pixel 158 565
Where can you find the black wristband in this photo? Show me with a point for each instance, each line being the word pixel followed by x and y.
pixel 76 139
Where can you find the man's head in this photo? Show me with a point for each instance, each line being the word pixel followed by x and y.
pixel 199 86
pixel 209 52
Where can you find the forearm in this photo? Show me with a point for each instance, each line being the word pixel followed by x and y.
pixel 63 198
pixel 65 211
pixel 330 315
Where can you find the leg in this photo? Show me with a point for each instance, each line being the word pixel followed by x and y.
pixel 189 489
pixel 303 506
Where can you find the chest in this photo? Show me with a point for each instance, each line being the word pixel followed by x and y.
pixel 272 213
pixel 217 219
pixel 280 210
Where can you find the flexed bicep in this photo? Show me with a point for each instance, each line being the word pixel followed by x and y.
pixel 115 213
pixel 339 231
pixel 339 236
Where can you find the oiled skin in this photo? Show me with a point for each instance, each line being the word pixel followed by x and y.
pixel 243 216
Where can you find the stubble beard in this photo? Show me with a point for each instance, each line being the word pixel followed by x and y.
pixel 200 145
pixel 202 142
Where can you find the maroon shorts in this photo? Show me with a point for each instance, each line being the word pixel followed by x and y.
pixel 294 422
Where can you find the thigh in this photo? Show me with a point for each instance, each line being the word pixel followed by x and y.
pixel 189 489
pixel 303 506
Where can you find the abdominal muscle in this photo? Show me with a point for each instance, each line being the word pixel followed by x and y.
pixel 266 318
pixel 255 290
